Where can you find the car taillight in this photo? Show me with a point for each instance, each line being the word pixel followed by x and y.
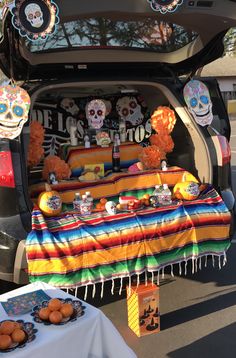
pixel 225 149
pixel 6 170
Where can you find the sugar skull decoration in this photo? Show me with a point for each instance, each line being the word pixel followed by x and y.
pixel 35 19
pixel 165 6
pixel 110 207
pixel 128 109
pixel 197 98
pixel 95 113
pixel 14 109
pixel 69 105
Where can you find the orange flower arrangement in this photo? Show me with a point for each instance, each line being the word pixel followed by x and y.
pixel 163 141
pixel 53 163
pixel 163 119
pixel 35 151
pixel 151 157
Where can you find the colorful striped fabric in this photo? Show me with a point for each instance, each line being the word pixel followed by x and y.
pixel 78 156
pixel 72 251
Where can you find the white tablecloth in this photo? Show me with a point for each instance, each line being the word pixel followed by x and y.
pixel 90 336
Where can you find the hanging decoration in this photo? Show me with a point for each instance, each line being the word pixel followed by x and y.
pixel 165 6
pixel 95 113
pixel 35 19
pixel 14 109
pixel 197 98
pixel 163 119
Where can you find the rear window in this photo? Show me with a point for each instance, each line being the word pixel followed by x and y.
pixel 144 34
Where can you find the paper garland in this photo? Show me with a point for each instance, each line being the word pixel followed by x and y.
pixel 35 19
pixel 165 6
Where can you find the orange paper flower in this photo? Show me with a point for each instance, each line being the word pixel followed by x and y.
pixel 163 119
pixel 163 141
pixel 151 157
pixel 35 150
pixel 53 163
pixel 35 154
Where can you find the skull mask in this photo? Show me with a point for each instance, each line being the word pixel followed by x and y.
pixel 34 15
pixel 110 207
pixel 198 100
pixel 95 113
pixel 129 109
pixel 14 108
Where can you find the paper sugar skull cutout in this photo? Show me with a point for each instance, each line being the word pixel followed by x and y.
pixel 165 6
pixel 14 109
pixel 95 113
pixel 129 110
pixel 197 98
pixel 110 207
pixel 34 15
pixel 69 105
pixel 35 19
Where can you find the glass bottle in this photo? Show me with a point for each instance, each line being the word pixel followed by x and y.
pixel 122 130
pixel 116 156
pixel 165 195
pixel 89 198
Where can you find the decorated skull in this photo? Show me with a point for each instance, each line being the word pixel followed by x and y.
pixel 34 15
pixel 129 109
pixel 95 113
pixel 198 100
pixel 110 207
pixel 14 109
pixel 69 105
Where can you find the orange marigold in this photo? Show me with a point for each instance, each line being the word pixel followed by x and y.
pixel 163 119
pixel 35 154
pixel 163 141
pixel 151 157
pixel 53 163
pixel 36 132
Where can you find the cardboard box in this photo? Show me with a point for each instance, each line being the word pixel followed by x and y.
pixel 143 309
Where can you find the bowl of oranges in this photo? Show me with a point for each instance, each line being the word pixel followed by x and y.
pixel 57 311
pixel 15 334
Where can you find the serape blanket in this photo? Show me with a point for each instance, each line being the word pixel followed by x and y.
pixel 116 184
pixel 78 156
pixel 72 251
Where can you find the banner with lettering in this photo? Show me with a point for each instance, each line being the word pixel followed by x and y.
pixel 56 119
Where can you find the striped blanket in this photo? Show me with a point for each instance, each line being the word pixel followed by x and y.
pixel 72 251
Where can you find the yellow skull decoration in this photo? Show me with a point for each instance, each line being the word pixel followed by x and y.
pixel 14 109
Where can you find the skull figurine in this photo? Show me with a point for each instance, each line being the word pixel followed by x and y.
pixel 129 109
pixel 34 15
pixel 197 98
pixel 69 105
pixel 110 207
pixel 95 113
pixel 14 108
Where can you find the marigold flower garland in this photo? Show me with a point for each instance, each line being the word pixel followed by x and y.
pixel 162 121
pixel 35 150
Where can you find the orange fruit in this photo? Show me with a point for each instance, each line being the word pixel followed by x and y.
pixel 103 200
pixel 7 327
pixel 66 310
pixel 18 335
pixel 44 313
pixel 5 341
pixel 146 196
pixel 98 206
pixel 55 317
pixel 54 304
pixel 146 202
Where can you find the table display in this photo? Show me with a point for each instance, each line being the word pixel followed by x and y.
pixel 90 336
pixel 71 250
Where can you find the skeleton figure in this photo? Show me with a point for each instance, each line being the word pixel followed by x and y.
pixel 14 109
pixel 197 98
pixel 34 15
pixel 129 110
pixel 95 113
pixel 110 207
pixel 69 105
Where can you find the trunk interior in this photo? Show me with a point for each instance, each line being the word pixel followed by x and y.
pixel 49 108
